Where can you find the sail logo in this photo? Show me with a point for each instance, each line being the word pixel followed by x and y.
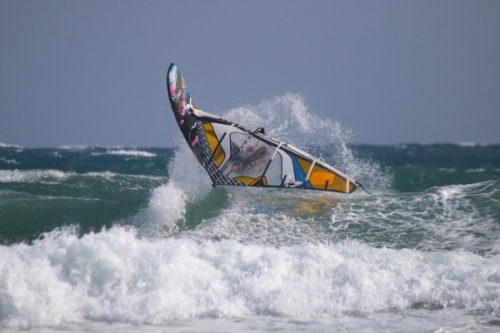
pixel 176 96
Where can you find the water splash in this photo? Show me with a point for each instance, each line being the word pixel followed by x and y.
pixel 166 211
pixel 288 118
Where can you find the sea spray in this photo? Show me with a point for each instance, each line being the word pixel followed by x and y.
pixel 166 210
pixel 187 173
pixel 288 118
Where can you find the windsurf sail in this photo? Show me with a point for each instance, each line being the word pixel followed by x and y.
pixel 234 155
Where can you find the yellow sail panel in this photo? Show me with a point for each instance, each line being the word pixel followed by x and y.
pixel 335 182
pixel 340 184
pixel 245 180
pixel 305 165
pixel 324 179
pixel 261 181
pixel 321 179
pixel 213 143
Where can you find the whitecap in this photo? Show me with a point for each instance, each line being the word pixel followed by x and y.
pixel 32 176
pixel 127 152
pixel 114 276
pixel 7 145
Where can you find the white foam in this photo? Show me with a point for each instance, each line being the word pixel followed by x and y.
pixel 476 170
pixel 447 217
pixel 113 276
pixel 271 217
pixel 6 145
pixel 51 176
pixel 166 209
pixel 471 144
pixel 32 176
pixel 75 147
pixel 466 144
pixel 128 152
pixel 165 212
pixel 11 161
pixel 187 173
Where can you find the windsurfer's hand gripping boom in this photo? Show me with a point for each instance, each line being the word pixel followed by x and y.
pixel 200 113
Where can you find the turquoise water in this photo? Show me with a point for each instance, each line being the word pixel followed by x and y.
pixel 100 239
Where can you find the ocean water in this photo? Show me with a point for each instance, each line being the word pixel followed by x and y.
pixel 100 239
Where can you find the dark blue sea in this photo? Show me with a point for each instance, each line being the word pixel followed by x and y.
pixel 100 239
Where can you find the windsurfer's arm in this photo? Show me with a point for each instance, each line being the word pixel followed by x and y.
pixel 200 113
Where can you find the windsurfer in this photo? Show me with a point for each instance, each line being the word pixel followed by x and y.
pixel 250 159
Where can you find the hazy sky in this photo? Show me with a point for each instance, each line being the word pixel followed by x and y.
pixel 93 72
